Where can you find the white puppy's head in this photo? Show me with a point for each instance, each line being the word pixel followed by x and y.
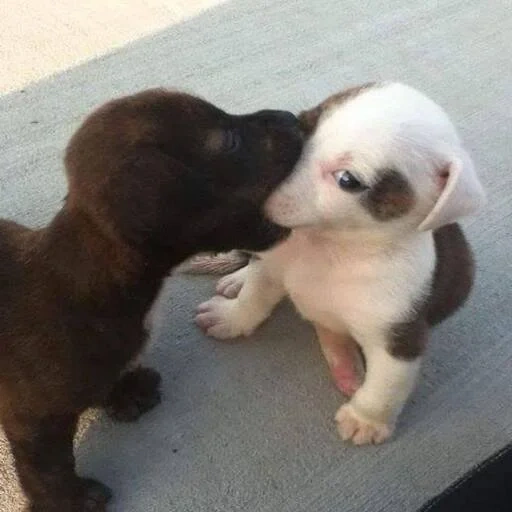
pixel 380 155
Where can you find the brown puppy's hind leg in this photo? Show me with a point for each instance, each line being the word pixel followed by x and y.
pixel 43 456
pixel 134 394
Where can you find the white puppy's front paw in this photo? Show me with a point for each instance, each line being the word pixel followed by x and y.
pixel 221 318
pixel 359 429
pixel 229 286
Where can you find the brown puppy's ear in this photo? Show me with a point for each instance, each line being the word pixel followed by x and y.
pixel 460 193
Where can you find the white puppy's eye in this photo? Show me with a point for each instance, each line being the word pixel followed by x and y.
pixel 347 181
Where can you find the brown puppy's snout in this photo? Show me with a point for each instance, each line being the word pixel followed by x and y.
pixel 273 145
pixel 283 133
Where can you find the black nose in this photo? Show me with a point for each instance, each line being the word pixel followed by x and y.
pixel 278 116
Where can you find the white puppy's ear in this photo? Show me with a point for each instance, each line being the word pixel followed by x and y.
pixel 460 194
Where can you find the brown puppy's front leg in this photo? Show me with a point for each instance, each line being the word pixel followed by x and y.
pixel 134 394
pixel 43 456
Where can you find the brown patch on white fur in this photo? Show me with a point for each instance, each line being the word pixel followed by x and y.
pixel 452 282
pixel 309 118
pixel 454 273
pixel 391 197
pixel 407 340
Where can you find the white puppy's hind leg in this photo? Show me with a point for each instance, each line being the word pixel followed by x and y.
pixel 259 293
pixel 370 416
pixel 343 357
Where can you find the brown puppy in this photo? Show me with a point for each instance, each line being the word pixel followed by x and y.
pixel 153 178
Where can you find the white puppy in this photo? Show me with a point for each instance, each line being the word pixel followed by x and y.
pixel 374 257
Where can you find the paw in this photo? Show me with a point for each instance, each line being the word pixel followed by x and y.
pixel 353 426
pixel 96 496
pixel 89 496
pixel 229 286
pixel 221 318
pixel 136 392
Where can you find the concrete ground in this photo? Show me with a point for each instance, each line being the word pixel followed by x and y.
pixel 250 427
pixel 40 38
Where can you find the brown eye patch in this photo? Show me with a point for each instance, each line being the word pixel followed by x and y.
pixel 391 197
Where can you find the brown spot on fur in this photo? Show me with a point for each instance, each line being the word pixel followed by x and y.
pixel 451 285
pixel 391 197
pixel 407 340
pixel 309 118
pixel 454 274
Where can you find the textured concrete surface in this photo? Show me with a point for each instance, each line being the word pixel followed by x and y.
pixel 42 37
pixel 249 427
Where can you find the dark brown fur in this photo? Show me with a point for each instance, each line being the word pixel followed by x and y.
pixel 451 285
pixel 224 263
pixel 145 192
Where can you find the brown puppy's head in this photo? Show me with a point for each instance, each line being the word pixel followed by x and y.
pixel 168 171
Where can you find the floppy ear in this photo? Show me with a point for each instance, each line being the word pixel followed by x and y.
pixel 460 194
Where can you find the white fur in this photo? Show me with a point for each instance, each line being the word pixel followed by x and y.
pixel 342 268
pixel 389 126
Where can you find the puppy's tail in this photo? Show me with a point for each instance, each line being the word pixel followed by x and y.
pixel 215 263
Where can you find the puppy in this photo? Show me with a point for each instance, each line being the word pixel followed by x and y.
pixel 375 257
pixel 153 178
